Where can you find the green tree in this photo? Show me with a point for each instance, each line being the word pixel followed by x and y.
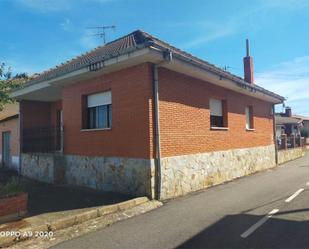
pixel 8 83
pixel 304 132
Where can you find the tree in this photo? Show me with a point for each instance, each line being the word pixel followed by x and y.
pixel 8 83
pixel 304 132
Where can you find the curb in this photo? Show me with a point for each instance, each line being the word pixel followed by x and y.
pixel 69 221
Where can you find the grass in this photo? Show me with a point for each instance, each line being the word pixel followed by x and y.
pixel 12 188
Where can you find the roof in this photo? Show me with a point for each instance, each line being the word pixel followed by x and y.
pixel 286 120
pixel 9 118
pixel 301 117
pixel 9 111
pixel 132 42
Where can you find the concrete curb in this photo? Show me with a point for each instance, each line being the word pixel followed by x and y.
pixel 41 225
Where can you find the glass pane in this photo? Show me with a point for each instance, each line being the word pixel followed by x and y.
pixel 91 118
pixel 102 116
pixel 110 116
pixel 216 121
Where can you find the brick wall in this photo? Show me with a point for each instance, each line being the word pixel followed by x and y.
pixel 11 125
pixel 185 117
pixel 35 114
pixel 13 205
pixel 130 135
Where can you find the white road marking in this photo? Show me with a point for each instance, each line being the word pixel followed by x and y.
pixel 259 223
pixel 294 195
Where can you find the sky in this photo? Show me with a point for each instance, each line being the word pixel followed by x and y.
pixel 39 34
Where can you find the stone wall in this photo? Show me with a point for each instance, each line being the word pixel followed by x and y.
pixel 180 174
pixel 184 174
pixel 39 166
pixel 124 175
pixel 290 154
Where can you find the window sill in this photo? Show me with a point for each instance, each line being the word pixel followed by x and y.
pixel 220 128
pixel 98 129
pixel 250 129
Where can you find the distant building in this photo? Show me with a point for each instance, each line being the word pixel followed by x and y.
pixel 304 119
pixel 9 136
pixel 289 126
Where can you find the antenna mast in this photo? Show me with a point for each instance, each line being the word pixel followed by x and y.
pixel 101 31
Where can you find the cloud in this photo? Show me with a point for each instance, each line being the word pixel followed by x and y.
pixel 46 5
pixel 66 24
pixel 241 21
pixel 89 41
pixel 210 32
pixel 291 80
pixel 56 5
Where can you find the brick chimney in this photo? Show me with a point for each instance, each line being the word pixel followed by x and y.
pixel 248 65
pixel 288 111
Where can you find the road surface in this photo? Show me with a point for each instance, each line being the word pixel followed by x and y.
pixel 269 209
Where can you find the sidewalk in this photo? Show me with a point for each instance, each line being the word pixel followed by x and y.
pixel 44 225
pixel 52 207
pixel 46 198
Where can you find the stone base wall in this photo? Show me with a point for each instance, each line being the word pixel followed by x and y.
pixel 290 154
pixel 124 175
pixel 14 163
pixel 39 166
pixel 184 174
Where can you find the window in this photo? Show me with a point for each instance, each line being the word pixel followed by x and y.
pixel 249 117
pixel 217 113
pixel 99 110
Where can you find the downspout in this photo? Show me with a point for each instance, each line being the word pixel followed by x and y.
pixel 20 138
pixel 275 135
pixel 167 59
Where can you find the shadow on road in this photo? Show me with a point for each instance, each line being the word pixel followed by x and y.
pixel 277 232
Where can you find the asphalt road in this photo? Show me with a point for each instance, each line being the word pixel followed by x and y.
pixel 269 209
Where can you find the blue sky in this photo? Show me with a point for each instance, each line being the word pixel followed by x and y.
pixel 38 34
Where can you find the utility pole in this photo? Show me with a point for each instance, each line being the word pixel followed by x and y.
pixel 101 31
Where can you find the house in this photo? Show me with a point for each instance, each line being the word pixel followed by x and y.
pixel 9 137
pixel 141 117
pixel 288 129
pixel 305 121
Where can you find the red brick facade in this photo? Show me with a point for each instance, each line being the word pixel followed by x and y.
pixel 13 205
pixel 130 134
pixel 184 116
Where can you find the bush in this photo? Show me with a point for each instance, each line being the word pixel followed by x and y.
pixel 304 132
pixel 12 188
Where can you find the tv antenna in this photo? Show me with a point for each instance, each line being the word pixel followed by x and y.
pixel 101 31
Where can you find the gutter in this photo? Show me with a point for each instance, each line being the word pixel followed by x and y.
pixel 222 74
pixel 275 135
pixel 34 85
pixel 20 120
pixel 167 58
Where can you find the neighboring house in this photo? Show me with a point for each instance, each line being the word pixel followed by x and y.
pixel 305 121
pixel 141 117
pixel 9 136
pixel 290 127
pixel 288 124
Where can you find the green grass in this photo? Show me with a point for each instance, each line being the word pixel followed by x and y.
pixel 12 188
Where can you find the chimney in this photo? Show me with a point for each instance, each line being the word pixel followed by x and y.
pixel 288 111
pixel 248 65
